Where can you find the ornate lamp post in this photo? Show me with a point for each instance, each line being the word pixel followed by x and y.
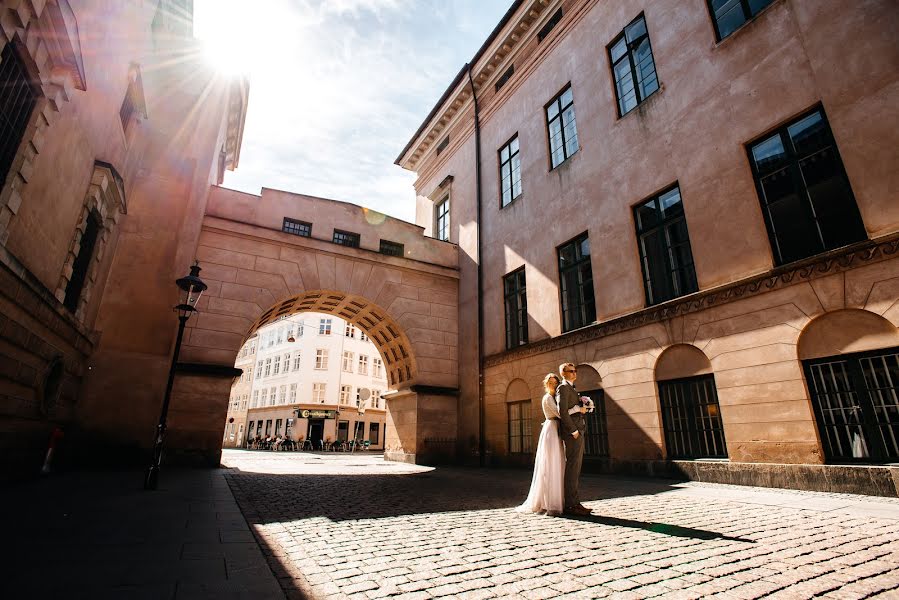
pixel 192 287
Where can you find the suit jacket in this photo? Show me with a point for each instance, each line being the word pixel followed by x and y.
pixel 568 397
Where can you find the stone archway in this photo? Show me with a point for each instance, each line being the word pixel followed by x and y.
pixel 409 309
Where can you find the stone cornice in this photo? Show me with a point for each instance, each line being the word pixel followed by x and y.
pixel 835 261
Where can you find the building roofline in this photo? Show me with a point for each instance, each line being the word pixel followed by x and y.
pixel 490 39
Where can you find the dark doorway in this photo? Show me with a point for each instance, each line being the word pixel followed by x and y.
pixel 316 432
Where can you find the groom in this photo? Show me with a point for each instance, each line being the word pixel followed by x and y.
pixel 572 429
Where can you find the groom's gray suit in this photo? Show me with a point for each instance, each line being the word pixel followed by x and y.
pixel 567 398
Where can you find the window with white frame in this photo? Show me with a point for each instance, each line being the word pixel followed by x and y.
pixel 347 366
pixel 243 403
pixel 290 334
pixel 345 394
pixel 248 376
pixel 324 327
pixel 363 364
pixel 296 362
pixel 268 367
pixel 280 335
pixel 293 393
pixel 350 330
pixel 376 368
pixel 287 362
pixel 258 369
pixel 321 359
pixel 362 336
pixel 272 395
pixel 318 393
pixel 271 338
pixel 255 399
pixel 282 397
pixel 277 367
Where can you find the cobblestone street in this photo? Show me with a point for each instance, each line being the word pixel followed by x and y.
pixel 343 526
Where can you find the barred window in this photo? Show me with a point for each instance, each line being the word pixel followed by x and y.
pixel 17 99
pixel 294 227
pixel 391 248
pixel 346 238
pixel 691 417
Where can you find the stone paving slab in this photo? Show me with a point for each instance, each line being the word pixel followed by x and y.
pixel 340 526
pixel 99 535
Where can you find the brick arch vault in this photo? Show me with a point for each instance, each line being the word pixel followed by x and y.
pixel 407 305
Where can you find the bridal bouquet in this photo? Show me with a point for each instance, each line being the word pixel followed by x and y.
pixel 587 402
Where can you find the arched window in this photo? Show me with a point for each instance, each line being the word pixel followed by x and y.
pixel 691 416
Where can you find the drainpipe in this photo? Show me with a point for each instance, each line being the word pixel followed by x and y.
pixel 482 443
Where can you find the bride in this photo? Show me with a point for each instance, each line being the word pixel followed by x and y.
pixel 547 486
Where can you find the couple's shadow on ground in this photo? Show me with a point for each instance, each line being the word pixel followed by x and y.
pixel 663 528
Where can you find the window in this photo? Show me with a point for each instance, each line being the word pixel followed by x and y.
pixel 562 128
pixel 596 441
pixel 278 426
pixel 516 309
pixel 318 393
pixel 504 78
pixel 255 399
pixel 271 338
pixel 391 248
pixel 509 172
pixel 346 238
pixel 82 261
pixel 243 403
pixel 18 99
pixel 377 365
pixel 730 15
pixel 350 331
pixel 321 359
pixel 520 427
pixel 277 367
pixel 576 279
pixel 296 362
pixel 374 433
pixel 362 336
pixel 133 102
pixel 442 145
pixel 347 362
pixel 294 227
pixel 345 394
pixel 290 335
pixel 552 22
pixel 805 194
pixel 249 375
pixel 358 396
pixel 324 327
pixel 856 403
pixel 633 68
pixel 268 367
pixel 343 429
pixel 692 418
pixel 282 396
pixel 287 362
pixel 664 247
pixel 442 219
pixel 293 393
pixel 363 364
pixel 268 427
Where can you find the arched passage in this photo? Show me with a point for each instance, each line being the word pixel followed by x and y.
pixel 257 274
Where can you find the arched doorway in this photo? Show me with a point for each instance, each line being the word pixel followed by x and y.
pixel 851 363
pixel 688 399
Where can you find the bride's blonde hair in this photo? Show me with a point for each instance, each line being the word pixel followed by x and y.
pixel 547 379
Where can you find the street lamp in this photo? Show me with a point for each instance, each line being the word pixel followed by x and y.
pixel 192 287
pixel 363 396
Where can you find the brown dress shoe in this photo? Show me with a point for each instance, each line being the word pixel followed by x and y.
pixel 579 510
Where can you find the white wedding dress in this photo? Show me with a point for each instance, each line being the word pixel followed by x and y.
pixel 547 486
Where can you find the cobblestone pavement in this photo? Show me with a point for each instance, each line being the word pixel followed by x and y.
pixel 341 526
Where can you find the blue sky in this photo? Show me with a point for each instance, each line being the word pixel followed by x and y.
pixel 337 87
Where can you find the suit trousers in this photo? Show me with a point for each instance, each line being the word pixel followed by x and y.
pixel 574 458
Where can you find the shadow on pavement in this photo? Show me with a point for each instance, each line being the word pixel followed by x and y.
pixel 663 528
